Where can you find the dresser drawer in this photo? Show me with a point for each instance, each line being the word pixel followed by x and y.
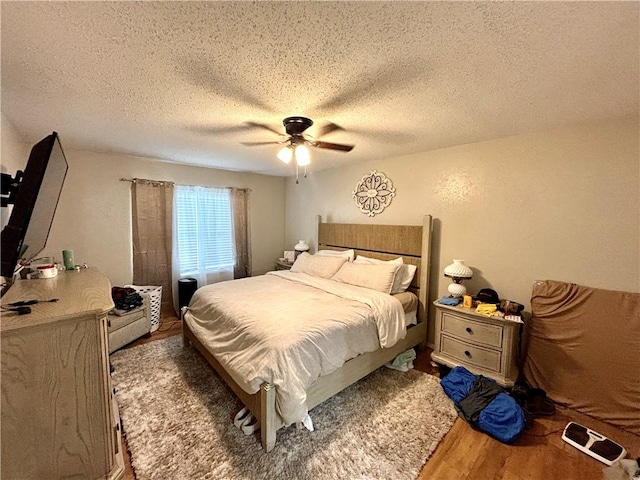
pixel 470 330
pixel 469 354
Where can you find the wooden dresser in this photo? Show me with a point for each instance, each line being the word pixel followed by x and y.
pixel 58 412
pixel 483 345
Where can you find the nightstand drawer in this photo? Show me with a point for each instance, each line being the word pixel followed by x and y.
pixel 482 357
pixel 470 330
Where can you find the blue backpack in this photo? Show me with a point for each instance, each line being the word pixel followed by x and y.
pixel 484 404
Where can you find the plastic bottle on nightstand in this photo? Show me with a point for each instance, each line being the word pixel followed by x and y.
pixel 300 247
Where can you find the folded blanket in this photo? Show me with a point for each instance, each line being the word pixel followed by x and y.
pixel 452 301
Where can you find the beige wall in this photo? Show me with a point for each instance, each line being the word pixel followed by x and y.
pixel 561 204
pixel 13 156
pixel 13 150
pixel 94 213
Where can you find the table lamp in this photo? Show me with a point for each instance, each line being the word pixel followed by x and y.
pixel 457 272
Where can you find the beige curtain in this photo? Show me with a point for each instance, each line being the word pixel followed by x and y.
pixel 241 232
pixel 152 209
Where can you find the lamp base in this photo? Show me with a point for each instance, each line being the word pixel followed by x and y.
pixel 457 289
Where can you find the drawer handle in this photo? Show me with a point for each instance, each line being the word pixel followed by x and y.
pixel 467 353
pixel 468 329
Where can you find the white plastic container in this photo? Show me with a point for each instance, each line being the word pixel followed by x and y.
pixel 155 301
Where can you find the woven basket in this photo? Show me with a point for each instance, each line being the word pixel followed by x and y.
pixel 155 301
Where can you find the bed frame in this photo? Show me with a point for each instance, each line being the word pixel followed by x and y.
pixel 385 242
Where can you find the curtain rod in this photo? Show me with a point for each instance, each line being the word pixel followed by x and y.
pixel 134 180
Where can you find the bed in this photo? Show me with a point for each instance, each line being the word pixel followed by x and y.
pixel 382 242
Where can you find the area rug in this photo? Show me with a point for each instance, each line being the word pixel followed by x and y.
pixel 177 419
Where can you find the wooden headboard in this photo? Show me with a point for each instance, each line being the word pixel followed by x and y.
pixel 385 242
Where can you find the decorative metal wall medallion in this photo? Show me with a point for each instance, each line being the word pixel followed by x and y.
pixel 374 193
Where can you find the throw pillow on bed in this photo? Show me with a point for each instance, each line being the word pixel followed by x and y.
pixel 349 254
pixel 403 277
pixel 376 277
pixel 318 266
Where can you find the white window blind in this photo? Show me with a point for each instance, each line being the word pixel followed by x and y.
pixel 203 228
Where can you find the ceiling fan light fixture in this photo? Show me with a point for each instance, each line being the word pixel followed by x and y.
pixel 285 154
pixel 302 155
pixel 296 143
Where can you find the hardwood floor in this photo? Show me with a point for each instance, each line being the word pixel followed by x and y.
pixel 466 454
pixel 539 453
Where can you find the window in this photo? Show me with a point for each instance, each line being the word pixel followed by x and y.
pixel 203 229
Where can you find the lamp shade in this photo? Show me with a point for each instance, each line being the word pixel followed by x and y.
pixel 458 270
pixel 302 155
pixel 285 154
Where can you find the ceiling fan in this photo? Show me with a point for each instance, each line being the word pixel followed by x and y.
pixel 295 141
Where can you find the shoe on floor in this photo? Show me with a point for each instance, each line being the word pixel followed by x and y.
pixel 538 405
pixel 533 401
pixel 251 426
pixel 242 417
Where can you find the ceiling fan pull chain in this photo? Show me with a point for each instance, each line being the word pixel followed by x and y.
pixel 297 181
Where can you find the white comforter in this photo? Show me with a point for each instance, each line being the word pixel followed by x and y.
pixel 288 329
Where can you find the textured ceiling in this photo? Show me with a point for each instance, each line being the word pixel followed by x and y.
pixel 178 80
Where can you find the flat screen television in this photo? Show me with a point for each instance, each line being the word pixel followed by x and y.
pixel 35 194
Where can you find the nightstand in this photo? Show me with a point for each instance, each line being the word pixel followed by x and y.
pixel 483 345
pixel 283 265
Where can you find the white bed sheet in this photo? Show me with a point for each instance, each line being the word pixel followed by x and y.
pixel 411 318
pixel 289 328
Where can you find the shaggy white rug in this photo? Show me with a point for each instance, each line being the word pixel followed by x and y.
pixel 177 417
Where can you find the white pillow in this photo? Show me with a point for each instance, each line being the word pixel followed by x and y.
pixel 405 274
pixel 403 277
pixel 317 265
pixel 337 253
pixel 374 261
pixel 376 277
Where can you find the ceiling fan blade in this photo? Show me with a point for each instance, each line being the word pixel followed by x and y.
pixel 328 128
pixel 333 146
pixel 266 127
pixel 254 144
